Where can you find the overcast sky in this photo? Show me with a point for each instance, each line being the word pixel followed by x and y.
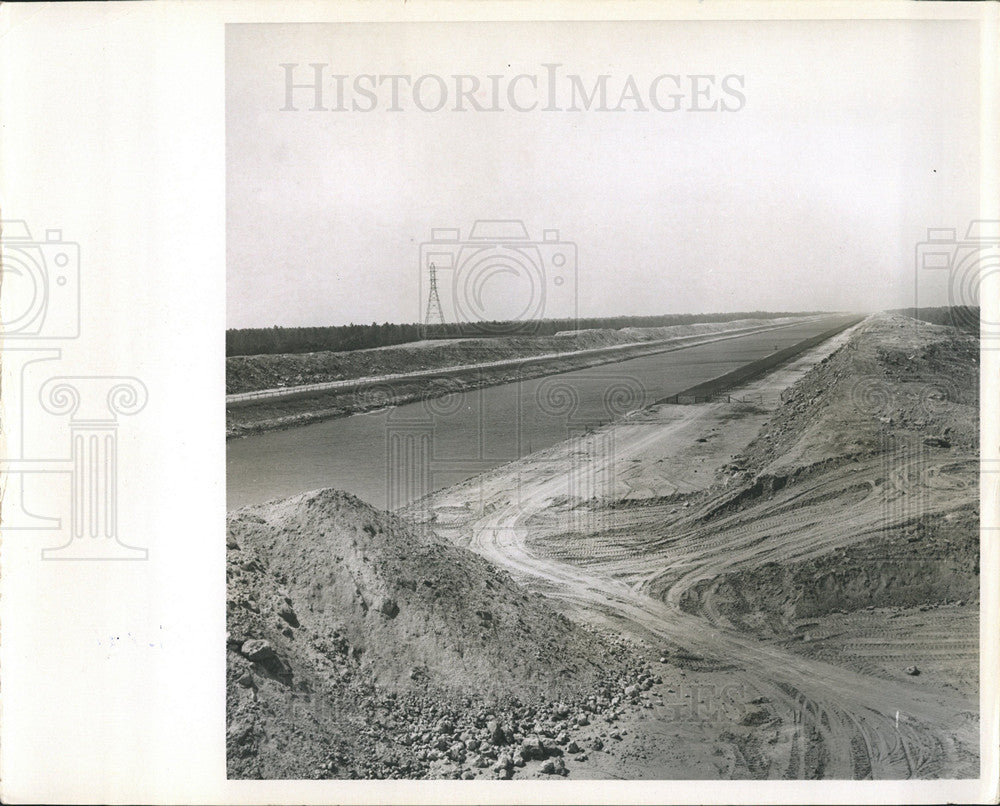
pixel 850 141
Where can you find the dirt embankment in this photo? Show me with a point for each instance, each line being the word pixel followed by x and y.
pixel 875 454
pixel 893 388
pixel 360 648
pixel 250 373
pixel 823 581
pixel 928 561
pixel 832 561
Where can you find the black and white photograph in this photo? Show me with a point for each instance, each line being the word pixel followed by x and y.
pixel 513 402
pixel 602 400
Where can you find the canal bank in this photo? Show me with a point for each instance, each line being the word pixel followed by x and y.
pixel 396 454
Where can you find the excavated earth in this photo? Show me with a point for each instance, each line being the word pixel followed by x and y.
pixel 359 646
pixel 790 577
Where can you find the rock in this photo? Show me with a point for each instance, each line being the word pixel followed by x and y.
pixel 468 775
pixel 913 671
pixel 532 748
pixel 285 611
pixel 496 733
pixel 582 720
pixel 554 766
pixel 444 726
pixel 505 762
pixel 754 717
pixel 937 442
pixel 574 748
pixel 246 679
pixel 582 757
pixel 257 649
pixel 387 607
pixel 597 744
pixel 456 752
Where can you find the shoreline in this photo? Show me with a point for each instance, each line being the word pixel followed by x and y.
pixel 363 395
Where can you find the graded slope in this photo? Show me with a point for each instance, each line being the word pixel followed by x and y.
pixel 828 569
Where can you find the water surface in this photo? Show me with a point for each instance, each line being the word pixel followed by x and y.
pixel 389 457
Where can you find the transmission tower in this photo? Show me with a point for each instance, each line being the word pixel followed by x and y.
pixel 434 313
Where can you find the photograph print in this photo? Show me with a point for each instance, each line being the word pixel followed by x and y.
pixel 602 400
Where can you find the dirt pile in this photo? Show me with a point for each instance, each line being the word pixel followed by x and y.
pixel 892 384
pixel 928 561
pixel 358 647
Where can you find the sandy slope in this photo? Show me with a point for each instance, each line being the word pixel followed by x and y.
pixel 656 515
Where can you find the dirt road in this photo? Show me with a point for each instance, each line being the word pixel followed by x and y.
pixel 644 567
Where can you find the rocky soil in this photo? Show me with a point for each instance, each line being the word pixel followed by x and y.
pixel 358 647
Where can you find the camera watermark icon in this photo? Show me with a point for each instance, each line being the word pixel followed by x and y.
pixel 41 305
pixel 969 267
pixel 443 438
pixel 41 284
pixel 497 281
pixel 932 397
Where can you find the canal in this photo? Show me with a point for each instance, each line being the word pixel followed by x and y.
pixel 391 456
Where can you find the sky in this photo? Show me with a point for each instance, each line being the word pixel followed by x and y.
pixel 840 145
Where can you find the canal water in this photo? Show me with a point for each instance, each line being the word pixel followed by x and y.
pixel 392 456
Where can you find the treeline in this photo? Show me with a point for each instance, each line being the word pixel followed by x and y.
pixel 340 338
pixel 964 317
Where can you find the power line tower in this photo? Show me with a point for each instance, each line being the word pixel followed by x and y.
pixel 434 313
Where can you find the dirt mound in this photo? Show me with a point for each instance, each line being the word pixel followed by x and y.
pixel 931 560
pixel 891 383
pixel 347 630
